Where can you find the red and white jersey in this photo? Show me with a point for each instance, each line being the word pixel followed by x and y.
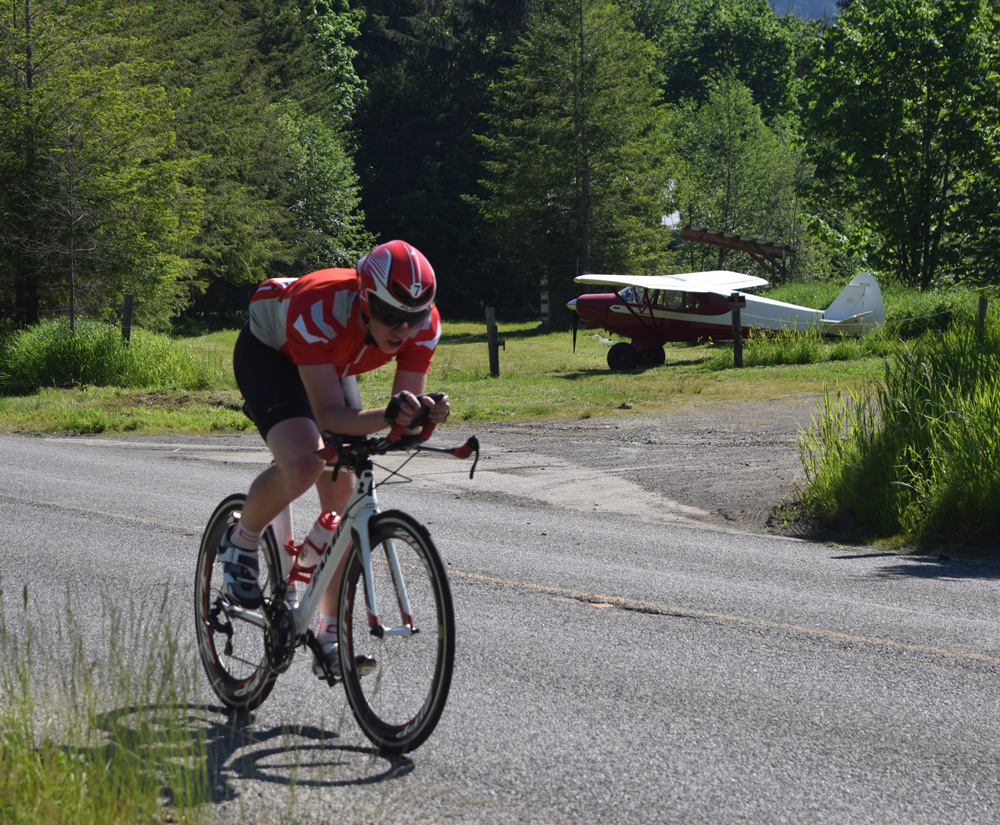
pixel 315 319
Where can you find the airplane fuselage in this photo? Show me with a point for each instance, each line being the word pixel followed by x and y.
pixel 654 320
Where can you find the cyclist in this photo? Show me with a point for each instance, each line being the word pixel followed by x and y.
pixel 296 362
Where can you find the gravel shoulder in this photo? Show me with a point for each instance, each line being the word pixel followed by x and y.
pixel 730 466
pixel 723 465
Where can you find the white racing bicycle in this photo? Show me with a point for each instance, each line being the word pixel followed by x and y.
pixel 395 605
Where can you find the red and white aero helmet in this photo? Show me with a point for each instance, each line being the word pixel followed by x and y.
pixel 395 279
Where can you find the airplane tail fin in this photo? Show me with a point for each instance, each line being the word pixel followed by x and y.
pixel 858 308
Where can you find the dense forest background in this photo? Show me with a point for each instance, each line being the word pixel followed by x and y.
pixel 181 152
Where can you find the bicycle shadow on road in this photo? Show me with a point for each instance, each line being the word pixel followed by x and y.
pixel 235 752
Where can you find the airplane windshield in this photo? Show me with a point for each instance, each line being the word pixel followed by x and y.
pixel 630 295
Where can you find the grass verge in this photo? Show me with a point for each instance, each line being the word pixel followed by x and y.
pixel 96 734
pixel 914 457
pixel 541 377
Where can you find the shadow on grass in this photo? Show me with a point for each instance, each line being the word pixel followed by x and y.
pixel 505 335
pixel 234 751
pixel 639 370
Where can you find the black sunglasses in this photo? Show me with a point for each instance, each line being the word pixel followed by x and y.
pixel 390 316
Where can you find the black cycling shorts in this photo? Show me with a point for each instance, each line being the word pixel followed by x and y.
pixel 271 385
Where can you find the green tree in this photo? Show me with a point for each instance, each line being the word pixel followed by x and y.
pixel 903 109
pixel 88 213
pixel 702 39
pixel 320 196
pixel 268 90
pixel 737 174
pixel 305 46
pixel 578 171
pixel 428 67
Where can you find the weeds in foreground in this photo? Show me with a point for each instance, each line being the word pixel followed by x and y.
pixel 100 725
pixel 96 735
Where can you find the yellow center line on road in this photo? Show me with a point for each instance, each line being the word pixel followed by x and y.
pixel 602 600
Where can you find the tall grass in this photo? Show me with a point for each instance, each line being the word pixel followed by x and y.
pixel 914 456
pixel 51 355
pixel 766 348
pixel 96 734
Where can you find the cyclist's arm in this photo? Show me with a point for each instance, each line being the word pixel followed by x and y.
pixel 326 397
pixel 415 382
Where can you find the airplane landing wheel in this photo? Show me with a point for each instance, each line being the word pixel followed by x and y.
pixel 622 356
pixel 653 357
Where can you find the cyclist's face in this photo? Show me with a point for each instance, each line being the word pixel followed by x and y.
pixel 390 338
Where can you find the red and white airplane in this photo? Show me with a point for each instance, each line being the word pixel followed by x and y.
pixel 655 309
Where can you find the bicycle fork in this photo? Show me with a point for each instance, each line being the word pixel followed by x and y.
pixel 360 510
pixel 399 585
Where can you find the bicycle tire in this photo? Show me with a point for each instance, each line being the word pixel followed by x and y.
pixel 236 661
pixel 400 703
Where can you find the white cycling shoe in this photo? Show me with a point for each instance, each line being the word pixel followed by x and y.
pixel 331 652
pixel 239 573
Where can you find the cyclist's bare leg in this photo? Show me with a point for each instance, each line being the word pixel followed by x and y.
pixel 293 443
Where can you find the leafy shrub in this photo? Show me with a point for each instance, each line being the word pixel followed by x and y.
pixel 51 355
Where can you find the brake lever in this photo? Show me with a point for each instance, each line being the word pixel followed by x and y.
pixel 468 448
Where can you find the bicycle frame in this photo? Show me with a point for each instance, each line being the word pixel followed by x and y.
pixel 361 507
pixel 354 528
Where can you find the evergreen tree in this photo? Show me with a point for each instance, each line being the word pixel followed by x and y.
pixel 578 171
pixel 88 211
pixel 428 68
pixel 268 89
pixel 320 196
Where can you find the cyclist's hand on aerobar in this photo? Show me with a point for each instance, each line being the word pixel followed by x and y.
pixel 438 406
pixel 409 411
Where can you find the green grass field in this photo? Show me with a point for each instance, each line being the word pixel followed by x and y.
pixel 541 377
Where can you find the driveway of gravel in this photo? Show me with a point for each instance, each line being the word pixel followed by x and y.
pixel 725 465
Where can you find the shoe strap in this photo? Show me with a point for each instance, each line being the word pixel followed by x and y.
pixel 246 559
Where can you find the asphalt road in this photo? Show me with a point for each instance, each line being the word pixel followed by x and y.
pixel 610 669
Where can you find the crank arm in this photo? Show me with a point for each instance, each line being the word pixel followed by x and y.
pixel 250 616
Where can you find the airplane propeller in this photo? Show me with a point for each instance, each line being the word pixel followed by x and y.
pixel 576 324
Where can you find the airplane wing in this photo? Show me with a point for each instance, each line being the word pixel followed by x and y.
pixel 719 280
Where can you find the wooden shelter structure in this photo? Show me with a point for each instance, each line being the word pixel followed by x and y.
pixel 772 256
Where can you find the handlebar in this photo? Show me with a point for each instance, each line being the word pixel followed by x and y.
pixel 353 452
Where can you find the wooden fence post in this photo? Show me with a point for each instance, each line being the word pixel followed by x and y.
pixel 736 301
pixel 544 298
pixel 127 320
pixel 493 342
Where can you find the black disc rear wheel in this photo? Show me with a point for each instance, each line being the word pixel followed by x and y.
pixel 232 648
